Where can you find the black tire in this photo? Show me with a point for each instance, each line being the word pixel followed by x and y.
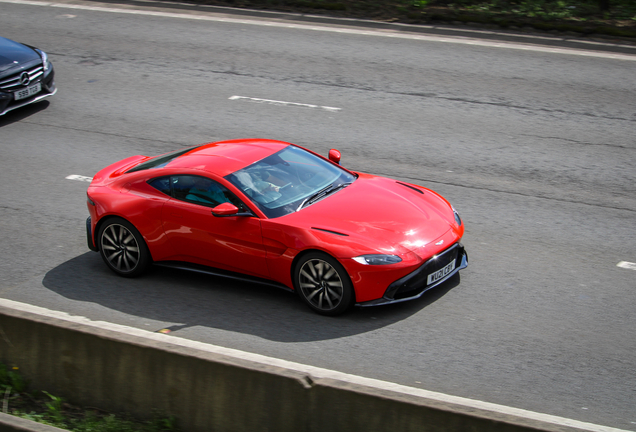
pixel 122 248
pixel 323 284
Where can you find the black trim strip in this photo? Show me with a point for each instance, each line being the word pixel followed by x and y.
pixel 411 187
pixel 89 236
pixel 197 268
pixel 331 232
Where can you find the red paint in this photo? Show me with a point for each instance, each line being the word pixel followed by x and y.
pixel 373 215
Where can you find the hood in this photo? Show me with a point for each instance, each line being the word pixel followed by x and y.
pixel 390 216
pixel 14 53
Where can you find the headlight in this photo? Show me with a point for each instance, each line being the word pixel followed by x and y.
pixel 45 60
pixel 377 259
pixel 457 218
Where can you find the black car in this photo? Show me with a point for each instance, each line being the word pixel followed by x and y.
pixel 26 75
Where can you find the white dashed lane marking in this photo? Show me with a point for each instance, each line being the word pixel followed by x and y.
pixel 79 178
pixel 283 103
pixel 626 265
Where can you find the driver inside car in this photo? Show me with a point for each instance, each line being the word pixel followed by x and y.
pixel 255 185
pixel 261 184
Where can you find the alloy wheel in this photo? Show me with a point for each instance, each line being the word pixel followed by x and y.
pixel 120 248
pixel 321 285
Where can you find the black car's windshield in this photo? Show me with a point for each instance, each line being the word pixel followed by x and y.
pixel 289 180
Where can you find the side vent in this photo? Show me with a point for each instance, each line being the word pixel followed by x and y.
pixel 330 232
pixel 411 187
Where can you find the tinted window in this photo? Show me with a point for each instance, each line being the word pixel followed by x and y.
pixel 204 191
pixel 162 184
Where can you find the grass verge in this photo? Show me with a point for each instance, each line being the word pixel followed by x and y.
pixel 615 18
pixel 40 406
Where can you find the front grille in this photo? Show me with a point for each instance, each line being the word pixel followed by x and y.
pixel 12 82
pixel 416 282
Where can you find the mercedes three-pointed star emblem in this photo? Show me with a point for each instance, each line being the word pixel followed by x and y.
pixel 25 79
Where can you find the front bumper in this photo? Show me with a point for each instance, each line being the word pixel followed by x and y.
pixel 7 102
pixel 414 284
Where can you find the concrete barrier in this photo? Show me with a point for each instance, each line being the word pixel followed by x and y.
pixel 210 388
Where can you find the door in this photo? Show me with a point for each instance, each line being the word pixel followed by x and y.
pixel 195 235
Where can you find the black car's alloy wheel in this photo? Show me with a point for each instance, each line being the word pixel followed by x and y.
pixel 122 248
pixel 323 284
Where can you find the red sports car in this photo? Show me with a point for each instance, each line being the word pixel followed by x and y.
pixel 277 213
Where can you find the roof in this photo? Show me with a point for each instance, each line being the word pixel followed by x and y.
pixel 226 157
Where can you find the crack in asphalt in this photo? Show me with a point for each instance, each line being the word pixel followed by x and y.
pixel 153 140
pixel 412 94
pixel 9 208
pixel 83 59
pixel 434 96
pixel 465 186
pixel 462 185
pixel 623 147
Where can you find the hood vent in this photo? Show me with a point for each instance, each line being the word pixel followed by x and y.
pixel 330 232
pixel 411 187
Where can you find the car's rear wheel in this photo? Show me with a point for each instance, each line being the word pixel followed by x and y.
pixel 323 284
pixel 122 248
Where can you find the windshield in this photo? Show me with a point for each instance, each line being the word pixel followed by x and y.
pixel 289 180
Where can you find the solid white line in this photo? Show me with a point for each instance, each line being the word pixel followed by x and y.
pixel 626 265
pixel 283 103
pixel 384 33
pixel 79 178
pixel 311 370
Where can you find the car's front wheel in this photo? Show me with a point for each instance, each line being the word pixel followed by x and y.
pixel 122 248
pixel 323 284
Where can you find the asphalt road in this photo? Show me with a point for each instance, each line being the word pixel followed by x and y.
pixel 535 148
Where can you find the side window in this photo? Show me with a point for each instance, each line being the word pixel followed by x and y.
pixel 162 184
pixel 204 191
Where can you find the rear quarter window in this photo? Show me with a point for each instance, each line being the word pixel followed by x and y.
pixel 162 184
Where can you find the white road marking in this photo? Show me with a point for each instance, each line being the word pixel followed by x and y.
pixel 323 28
pixel 79 178
pixel 283 103
pixel 626 265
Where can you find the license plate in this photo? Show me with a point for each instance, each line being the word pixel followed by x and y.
pixel 441 273
pixel 29 91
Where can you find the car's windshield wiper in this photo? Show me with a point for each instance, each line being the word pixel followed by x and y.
pixel 322 193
